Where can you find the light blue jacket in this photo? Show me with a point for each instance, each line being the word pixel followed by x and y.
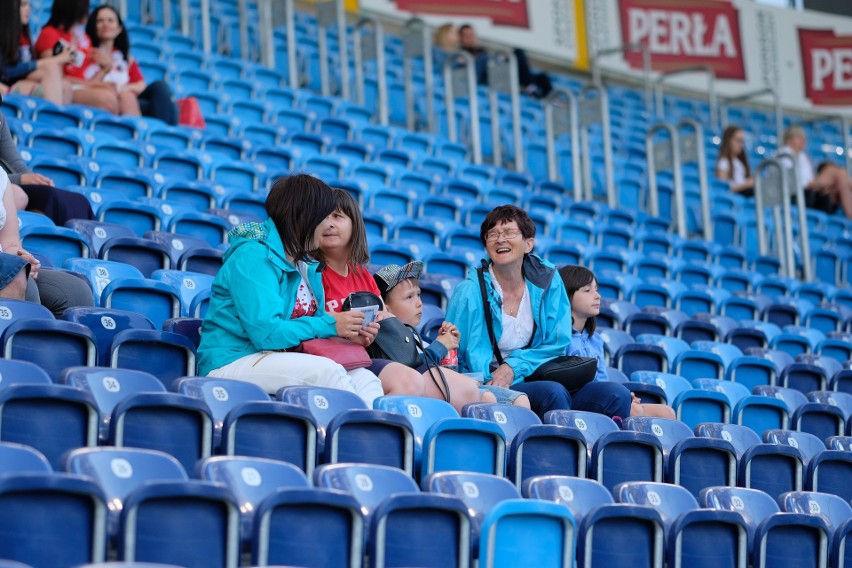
pixel 551 313
pixel 584 346
pixel 253 298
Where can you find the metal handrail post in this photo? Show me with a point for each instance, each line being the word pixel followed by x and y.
pixel 267 40
pixel 552 133
pixel 417 42
pixel 122 9
pixel 701 160
pixel 343 49
pixel 596 112
pixel 646 66
pixel 847 143
pixel 711 90
pixel 167 14
pixel 502 80
pixel 326 16
pixel 242 6
pixel 678 198
pixel 184 18
pixel 458 57
pixel 785 165
pixel 376 49
pixel 206 42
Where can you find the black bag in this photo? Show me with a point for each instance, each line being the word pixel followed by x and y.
pixel 395 342
pixel 570 371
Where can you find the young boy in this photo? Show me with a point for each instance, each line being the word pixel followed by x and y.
pixel 400 289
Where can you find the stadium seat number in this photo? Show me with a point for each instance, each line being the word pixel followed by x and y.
pixel 251 476
pixel 363 482
pixel 121 468
pixel 111 384
pixel 321 402
pixel 414 411
pixel 566 494
pixel 470 489
pixel 220 394
pixel 500 418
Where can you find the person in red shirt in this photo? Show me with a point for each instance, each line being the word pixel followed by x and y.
pixel 18 67
pixel 66 28
pixel 110 63
pixel 341 243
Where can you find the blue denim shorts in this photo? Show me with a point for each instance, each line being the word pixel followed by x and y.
pixel 502 394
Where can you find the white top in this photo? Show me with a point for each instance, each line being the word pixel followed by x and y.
pixel 804 167
pixel 4 184
pixel 517 330
pixel 738 176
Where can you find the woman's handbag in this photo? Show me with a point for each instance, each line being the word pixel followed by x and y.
pixel 340 350
pixel 570 371
pixel 395 342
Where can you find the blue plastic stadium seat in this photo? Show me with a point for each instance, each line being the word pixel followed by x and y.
pixel 247 423
pixel 202 527
pixel 833 511
pixel 776 539
pixel 18 458
pixel 105 324
pixel 51 520
pixel 190 285
pixel 165 355
pixel 51 344
pixel 694 537
pixel 154 299
pixel 16 310
pixel 615 455
pixel 501 521
pixel 56 243
pixel 349 432
pixel 108 387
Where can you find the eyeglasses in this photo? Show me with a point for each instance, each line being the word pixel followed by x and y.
pixel 508 235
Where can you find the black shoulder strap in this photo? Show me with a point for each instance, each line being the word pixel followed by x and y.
pixel 489 321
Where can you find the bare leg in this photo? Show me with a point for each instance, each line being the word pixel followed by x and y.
pixel 50 79
pixel 523 401
pixel 128 104
pixel 97 97
pixel 21 198
pixel 657 410
pixel 463 390
pixel 399 379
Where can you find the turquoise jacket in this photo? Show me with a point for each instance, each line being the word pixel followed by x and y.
pixel 551 313
pixel 253 298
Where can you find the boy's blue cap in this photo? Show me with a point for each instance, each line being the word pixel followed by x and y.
pixel 392 274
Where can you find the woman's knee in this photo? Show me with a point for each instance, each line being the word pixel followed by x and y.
pixel 399 379
pixel 60 290
pixel 100 98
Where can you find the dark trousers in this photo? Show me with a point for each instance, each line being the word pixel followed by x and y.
pixel 156 102
pixel 58 204
pixel 611 399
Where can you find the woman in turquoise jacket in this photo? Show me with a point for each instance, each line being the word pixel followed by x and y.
pixel 268 298
pixel 531 318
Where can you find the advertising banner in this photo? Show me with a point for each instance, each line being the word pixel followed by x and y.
pixel 550 28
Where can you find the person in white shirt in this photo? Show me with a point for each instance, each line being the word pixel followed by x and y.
pixel 732 163
pixel 827 189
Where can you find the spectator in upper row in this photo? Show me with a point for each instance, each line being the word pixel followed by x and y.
pixel 732 163
pixel 111 64
pixel 532 83
pixel 19 70
pixel 826 189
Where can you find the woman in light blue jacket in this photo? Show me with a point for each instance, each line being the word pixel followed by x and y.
pixel 268 298
pixel 531 318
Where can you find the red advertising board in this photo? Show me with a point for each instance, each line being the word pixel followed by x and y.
pixel 827 66
pixel 502 12
pixel 685 33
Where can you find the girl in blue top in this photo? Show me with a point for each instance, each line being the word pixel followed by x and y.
pixel 582 289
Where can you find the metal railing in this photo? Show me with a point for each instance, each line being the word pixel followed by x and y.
pixel 371 48
pixel 417 42
pixel 561 117
pixel 460 64
pixel 776 103
pixel 774 191
pixel 691 144
pixel 503 78
pixel 711 90
pixel 665 155
pixel 593 109
pixel 332 13
pixel 594 63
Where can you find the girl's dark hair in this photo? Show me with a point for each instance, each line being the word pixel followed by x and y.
pixel 297 205
pixel 66 13
pixel 359 253
pixel 574 278
pixel 725 152
pixel 122 40
pixel 507 214
pixel 10 31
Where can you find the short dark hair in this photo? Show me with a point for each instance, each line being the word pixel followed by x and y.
pixel 297 204
pixel 122 40
pixel 575 277
pixel 507 214
pixel 359 252
pixel 65 13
